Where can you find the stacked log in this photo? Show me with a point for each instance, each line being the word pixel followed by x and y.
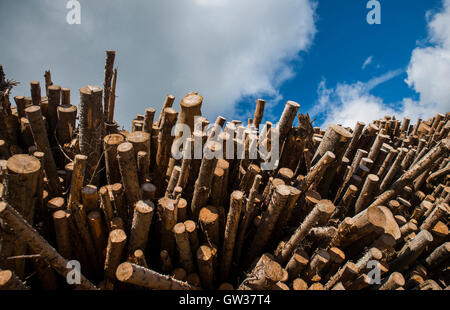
pixel 156 208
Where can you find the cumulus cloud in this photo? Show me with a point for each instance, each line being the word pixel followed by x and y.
pixel 225 50
pixel 348 103
pixel 367 62
pixel 428 73
pixel 429 68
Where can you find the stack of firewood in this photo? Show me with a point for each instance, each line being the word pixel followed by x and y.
pixel 343 208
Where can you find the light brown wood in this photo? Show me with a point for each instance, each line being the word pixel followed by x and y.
pixel 140 225
pixel 138 275
pixel 114 251
pixel 231 227
pixel 41 140
pixel 184 248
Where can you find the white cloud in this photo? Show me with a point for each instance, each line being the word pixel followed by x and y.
pixel 429 68
pixel 428 73
pixel 225 50
pixel 367 62
pixel 348 103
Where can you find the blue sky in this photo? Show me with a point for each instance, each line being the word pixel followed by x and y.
pixel 345 41
pixel 235 51
pixel 346 49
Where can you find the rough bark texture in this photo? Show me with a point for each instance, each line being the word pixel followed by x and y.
pixel 231 227
pixel 41 140
pixel 37 243
pixel 91 129
pixel 138 275
pixel 140 226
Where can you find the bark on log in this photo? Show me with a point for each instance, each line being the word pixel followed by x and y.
pixel 411 251
pixel 208 220
pixel 138 275
pixel 168 218
pixel 351 148
pixel 110 144
pixel 203 184
pixel 91 128
pixel 35 92
pixel 106 206
pixel 335 140
pixel 296 264
pixel 286 120
pixel 89 198
pixel 128 171
pixel 140 226
pixel 264 275
pixel 165 140
pixel 66 123
pixel 138 258
pixel 166 262
pixel 34 116
pixel 270 217
pixel 148 120
pixel 38 244
pixel 259 112
pixel 231 227
pixel 54 101
pixel 168 102
pixel 317 263
pixel 205 266
pixel 367 192
pixel 9 281
pixel 321 213
pixel 97 229
pixel 394 281
pixel 439 150
pixel 191 228
pixel 247 217
pixel 109 64
pixel 438 256
pixel 184 248
pixel 63 242
pixel 114 252
pixel 439 212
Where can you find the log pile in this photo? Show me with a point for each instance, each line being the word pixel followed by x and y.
pixel 363 208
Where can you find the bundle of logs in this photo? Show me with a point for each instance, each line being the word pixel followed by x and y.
pixel 363 208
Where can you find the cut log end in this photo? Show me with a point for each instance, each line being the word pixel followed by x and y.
pixel 23 164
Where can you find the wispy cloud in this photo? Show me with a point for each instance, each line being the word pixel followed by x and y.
pixel 367 62
pixel 374 82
